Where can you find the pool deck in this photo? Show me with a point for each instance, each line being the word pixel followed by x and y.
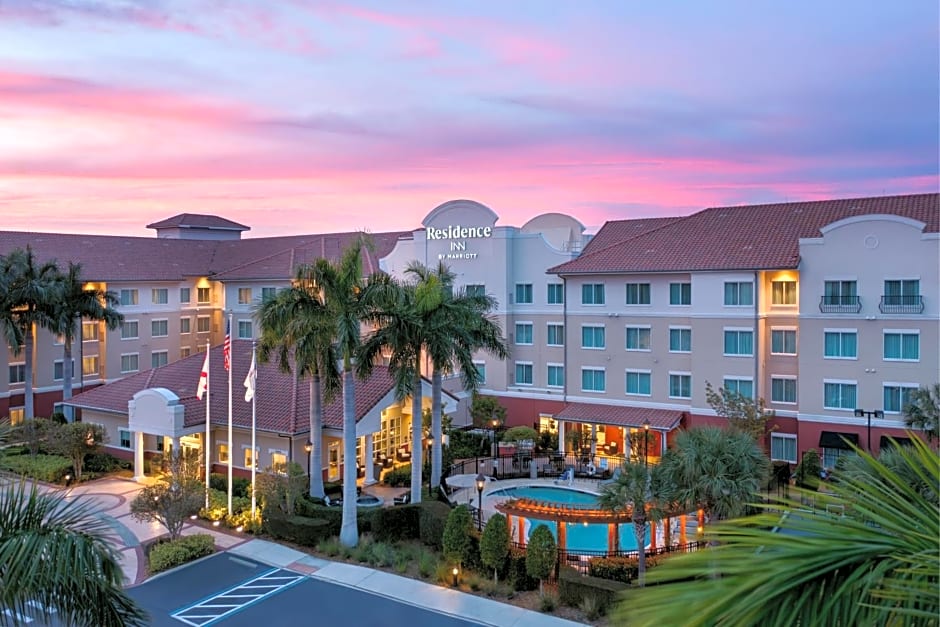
pixel 469 496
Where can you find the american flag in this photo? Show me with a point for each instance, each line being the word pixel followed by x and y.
pixel 227 346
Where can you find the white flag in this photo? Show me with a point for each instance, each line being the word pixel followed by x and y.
pixel 203 378
pixel 250 380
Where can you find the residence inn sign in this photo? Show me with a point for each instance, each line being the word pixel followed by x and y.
pixel 452 228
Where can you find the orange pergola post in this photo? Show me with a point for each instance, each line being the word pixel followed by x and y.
pixel 522 531
pixel 667 532
pixel 701 520
pixel 653 535
pixel 613 537
pixel 562 535
pixel 682 523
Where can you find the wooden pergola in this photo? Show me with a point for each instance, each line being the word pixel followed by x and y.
pixel 531 509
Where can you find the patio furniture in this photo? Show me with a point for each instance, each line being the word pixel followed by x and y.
pixel 403 454
pixel 402 499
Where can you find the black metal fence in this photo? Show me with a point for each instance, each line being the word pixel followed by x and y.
pixel 530 464
pixel 580 559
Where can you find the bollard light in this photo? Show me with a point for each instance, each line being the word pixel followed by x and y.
pixel 456 572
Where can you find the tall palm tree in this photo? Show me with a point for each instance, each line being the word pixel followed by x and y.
pixel 76 302
pixel 345 294
pixel 923 411
pixel 455 325
pixel 31 289
pixel 297 327
pixel 635 490
pixel 718 470
pixel 874 564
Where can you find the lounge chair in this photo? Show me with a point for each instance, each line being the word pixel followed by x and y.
pixel 613 477
pixel 402 499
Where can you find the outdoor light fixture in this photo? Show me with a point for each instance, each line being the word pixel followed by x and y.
pixel 699 531
pixel 216 523
pixel 194 517
pixel 861 413
pixel 646 442
pixel 308 446
pixel 455 572
pixel 239 528
pixel 481 481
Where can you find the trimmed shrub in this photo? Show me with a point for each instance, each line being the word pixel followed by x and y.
pixel 516 573
pixel 541 554
pixel 176 552
pixel 398 477
pixel 241 487
pixel 218 506
pixel 574 588
pixel 622 569
pixel 457 534
pixel 104 463
pixel 49 468
pixel 432 518
pixel 392 524
pixel 494 545
pixel 299 529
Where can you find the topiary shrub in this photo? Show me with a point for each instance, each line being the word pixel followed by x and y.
pixel 574 588
pixel 458 531
pixel 494 545
pixel 432 519
pixel 102 463
pixel 541 554
pixel 392 524
pixel 173 553
pixel 622 569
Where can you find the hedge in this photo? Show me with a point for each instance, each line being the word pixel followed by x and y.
pixel 398 477
pixel 573 587
pixel 103 463
pixel 176 552
pixel 515 572
pixel 432 518
pixel 299 529
pixel 49 468
pixel 623 569
pixel 391 524
pixel 241 487
pixel 306 508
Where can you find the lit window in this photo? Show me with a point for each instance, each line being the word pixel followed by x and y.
pixel 783 292
pixel 203 295
pixel 17 415
pixel 244 296
pixel 89 331
pixel 185 351
pixel 202 324
pixel 222 453
pixel 253 459
pixel 90 365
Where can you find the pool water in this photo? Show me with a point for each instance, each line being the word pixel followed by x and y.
pixel 580 537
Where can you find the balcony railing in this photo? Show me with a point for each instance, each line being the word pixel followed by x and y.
pixel 840 304
pixel 891 303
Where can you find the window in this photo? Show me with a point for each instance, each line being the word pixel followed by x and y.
pixel 128 297
pixel 839 344
pixel 158 358
pixel 738 294
pixel 840 292
pixel 244 296
pixel 130 330
pixel 680 385
pixel 680 293
pixel 638 338
pixel 638 383
pixel 130 363
pixel 744 387
pixel 556 293
pixel 17 373
pixel 158 328
pixel 638 293
pixel 783 341
pixel 592 294
pixel 202 324
pixel 523 333
pixel 556 334
pixel 901 292
pixel 680 340
pixel 124 437
pixel 556 376
pixel 251 457
pixel 783 292
pixel 185 295
pixel 59 339
pixel 203 295
pixel 523 373
pixel 739 342
pixel 185 351
pixel 476 290
pixel 901 346
pixel 159 296
pixel 783 447
pixel 830 456
pixel 897 397
pixel 782 390
pixel 481 370
pixel 593 380
pixel 89 331
pixel 222 453
pixel 279 461
pixel 524 293
pixel 58 369
pixel 592 337
pixel 90 365
pixel 186 325
pixel 17 415
pixel 244 329
pixel 268 293
pixel 839 395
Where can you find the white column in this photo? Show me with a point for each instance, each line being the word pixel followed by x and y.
pixel 176 445
pixel 368 460
pixel 561 437
pixel 593 442
pixel 138 456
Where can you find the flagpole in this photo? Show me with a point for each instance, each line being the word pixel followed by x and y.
pixel 231 453
pixel 206 449
pixel 254 414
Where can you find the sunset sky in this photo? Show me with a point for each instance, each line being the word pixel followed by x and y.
pixel 296 116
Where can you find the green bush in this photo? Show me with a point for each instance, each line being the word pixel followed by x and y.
pixel 457 534
pixel 241 486
pixel 218 506
pixel 299 529
pixel 398 477
pixel 622 569
pixel 49 468
pixel 307 508
pixel 574 588
pixel 431 523
pixel 808 470
pixel 516 574
pixel 392 524
pixel 104 463
pixel 175 552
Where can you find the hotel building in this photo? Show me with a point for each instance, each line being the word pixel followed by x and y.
pixel 819 308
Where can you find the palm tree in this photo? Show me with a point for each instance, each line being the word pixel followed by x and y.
pixel 297 327
pixel 345 294
pixel 455 326
pixel 78 302
pixel 634 491
pixel 30 290
pixel 874 565
pixel 717 470
pixel 923 411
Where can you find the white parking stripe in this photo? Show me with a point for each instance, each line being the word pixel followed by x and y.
pixel 246 594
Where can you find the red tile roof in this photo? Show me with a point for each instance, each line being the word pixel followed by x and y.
pixel 742 238
pixel 620 415
pixel 282 402
pixel 617 231
pixel 198 221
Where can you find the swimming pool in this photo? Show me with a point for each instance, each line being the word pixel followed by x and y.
pixel 580 536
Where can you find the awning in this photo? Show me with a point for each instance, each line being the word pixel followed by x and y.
pixel 887 441
pixel 620 416
pixel 836 439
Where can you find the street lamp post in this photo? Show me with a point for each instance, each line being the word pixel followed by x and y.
pixel 646 443
pixel 877 413
pixel 481 481
pixel 308 446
